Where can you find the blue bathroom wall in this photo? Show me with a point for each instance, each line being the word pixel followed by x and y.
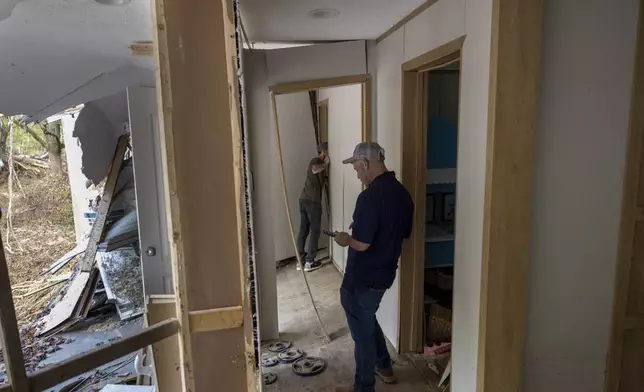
pixel 442 147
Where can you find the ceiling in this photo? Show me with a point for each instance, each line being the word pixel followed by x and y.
pixel 55 54
pixel 59 53
pixel 289 20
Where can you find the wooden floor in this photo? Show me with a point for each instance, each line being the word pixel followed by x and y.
pixel 298 324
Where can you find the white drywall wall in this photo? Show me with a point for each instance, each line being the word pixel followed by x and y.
pixel 588 57
pixel 345 131
pixel 316 62
pixel 298 148
pixel 443 22
pixel 262 160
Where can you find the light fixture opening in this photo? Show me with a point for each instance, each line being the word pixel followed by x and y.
pixel 324 13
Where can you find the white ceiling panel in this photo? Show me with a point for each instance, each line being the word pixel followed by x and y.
pixel 289 20
pixel 51 49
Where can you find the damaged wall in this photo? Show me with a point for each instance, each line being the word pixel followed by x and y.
pixel 97 128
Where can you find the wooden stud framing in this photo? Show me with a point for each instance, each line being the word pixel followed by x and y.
pixel 414 177
pixel 626 353
pixel 9 333
pixel 200 118
pixel 406 20
pixel 514 72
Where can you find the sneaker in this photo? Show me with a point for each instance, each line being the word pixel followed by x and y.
pixel 312 266
pixel 386 375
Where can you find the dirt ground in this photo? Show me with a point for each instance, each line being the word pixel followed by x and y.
pixel 40 230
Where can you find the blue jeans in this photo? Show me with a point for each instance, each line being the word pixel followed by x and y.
pixel 360 305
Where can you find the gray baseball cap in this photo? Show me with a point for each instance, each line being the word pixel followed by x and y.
pixel 371 151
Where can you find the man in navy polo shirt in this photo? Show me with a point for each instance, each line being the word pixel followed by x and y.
pixel 382 219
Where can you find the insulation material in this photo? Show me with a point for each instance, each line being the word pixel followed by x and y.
pixel 123 281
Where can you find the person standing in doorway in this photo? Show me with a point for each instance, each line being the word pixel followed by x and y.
pixel 311 209
pixel 382 219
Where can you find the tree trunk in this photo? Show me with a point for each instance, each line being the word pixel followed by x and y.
pixel 4 133
pixel 53 135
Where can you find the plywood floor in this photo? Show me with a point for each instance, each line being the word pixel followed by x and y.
pixel 299 325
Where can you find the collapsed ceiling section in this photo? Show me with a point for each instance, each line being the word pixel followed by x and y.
pixel 58 53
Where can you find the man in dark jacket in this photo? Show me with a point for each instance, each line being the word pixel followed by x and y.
pixel 311 208
pixel 382 219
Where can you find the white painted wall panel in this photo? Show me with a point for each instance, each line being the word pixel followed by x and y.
pixel 389 57
pixel 588 57
pixel 150 197
pixel 345 131
pixel 437 25
pixel 262 160
pixel 442 22
pixel 316 62
pixel 298 148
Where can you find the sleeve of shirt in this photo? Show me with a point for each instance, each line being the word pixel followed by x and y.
pixel 365 220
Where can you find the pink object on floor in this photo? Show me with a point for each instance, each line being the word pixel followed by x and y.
pixel 438 349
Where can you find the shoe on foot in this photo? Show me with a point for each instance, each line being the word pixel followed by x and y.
pixel 345 389
pixel 312 266
pixel 386 375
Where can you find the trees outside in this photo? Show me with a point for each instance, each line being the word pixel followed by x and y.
pixel 33 139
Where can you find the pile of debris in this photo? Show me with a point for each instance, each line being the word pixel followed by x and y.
pixel 109 270
pixel 99 277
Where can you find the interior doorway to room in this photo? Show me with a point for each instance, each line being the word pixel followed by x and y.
pixel 430 145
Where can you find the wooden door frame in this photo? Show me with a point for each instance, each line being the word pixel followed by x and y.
pixel 515 65
pixel 632 214
pixel 414 177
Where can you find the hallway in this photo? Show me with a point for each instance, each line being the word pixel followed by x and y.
pixel 298 324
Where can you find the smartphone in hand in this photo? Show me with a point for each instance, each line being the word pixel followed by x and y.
pixel 330 233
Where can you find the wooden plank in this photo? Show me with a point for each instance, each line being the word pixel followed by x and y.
pixel 165 353
pixel 199 115
pixel 630 259
pixel 308 85
pixel 406 20
pixel 514 72
pixel 216 319
pixel 66 307
pixel 166 128
pixel 80 364
pixel 9 333
pixel 96 233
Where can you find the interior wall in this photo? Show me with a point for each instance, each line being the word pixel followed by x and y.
pixel 443 22
pixel 345 131
pixel 580 144
pixel 262 161
pixel 298 148
pixel 263 69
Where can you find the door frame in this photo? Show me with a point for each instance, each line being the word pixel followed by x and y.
pixel 313 85
pixel 632 214
pixel 515 70
pixel 415 76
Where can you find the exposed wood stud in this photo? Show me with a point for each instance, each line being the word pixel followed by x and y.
pixel 9 333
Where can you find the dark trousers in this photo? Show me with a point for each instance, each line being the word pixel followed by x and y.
pixel 310 221
pixel 360 305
